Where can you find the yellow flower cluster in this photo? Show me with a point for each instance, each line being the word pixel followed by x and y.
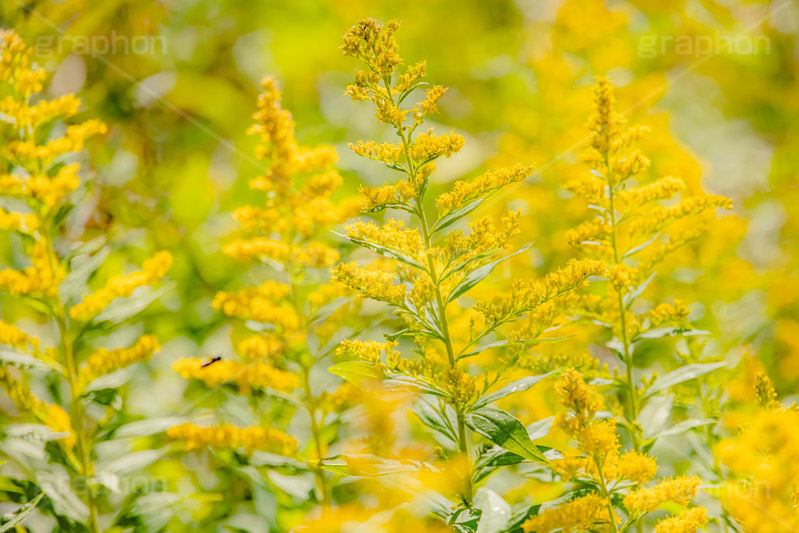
pixel 11 335
pixel 485 235
pixel 466 191
pixel 680 490
pixel 589 188
pixel 258 248
pixel 42 277
pixel 370 283
pixel 369 351
pixel 636 467
pixel 663 216
pixel 245 376
pixel 257 347
pixel 761 488
pixel 428 146
pixel 51 415
pixel 385 152
pixel 765 392
pixel 261 303
pixel 669 313
pixel 526 295
pixel 393 234
pixel 686 522
pixel 15 65
pixel 25 152
pixel 105 361
pixel 25 223
pixel 581 514
pixel 122 286
pixel 229 436
pixel 661 189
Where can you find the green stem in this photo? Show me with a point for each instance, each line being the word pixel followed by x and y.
pixel 606 496
pixel 628 358
pixel 310 400
pixel 77 415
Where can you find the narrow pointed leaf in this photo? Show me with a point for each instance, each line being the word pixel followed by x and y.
pixel 506 431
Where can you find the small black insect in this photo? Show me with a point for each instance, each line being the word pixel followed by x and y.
pixel 211 361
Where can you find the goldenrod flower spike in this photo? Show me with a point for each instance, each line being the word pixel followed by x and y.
pixel 35 176
pixel 633 231
pixel 680 490
pixel 122 286
pixel 581 514
pixel 427 269
pixel 246 376
pixel 289 234
pixel 105 361
pixel 229 436
pixel 686 522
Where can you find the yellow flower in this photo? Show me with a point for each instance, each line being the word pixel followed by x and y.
pixel 687 522
pixel 42 277
pixel 369 351
pixel 258 248
pixel 663 216
pixel 370 283
pixel 106 361
pixel 679 490
pixel 261 347
pixel 49 414
pixel 23 222
pixel 465 191
pixel 229 436
pixel 245 376
pixel 385 152
pixel 428 146
pixel 637 467
pixel 766 394
pixel 665 313
pixel 393 234
pixel 527 295
pixel 261 303
pixel 122 286
pixel 11 335
pixel 580 514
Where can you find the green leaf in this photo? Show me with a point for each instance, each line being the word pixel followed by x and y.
pixel 506 431
pixel 74 284
pixel 679 429
pixel 630 297
pixel 385 252
pixel 66 502
pixel 12 519
pixel 24 360
pixel 476 276
pixel 496 344
pixel 122 309
pixel 681 375
pixel 435 419
pixel 453 216
pixel 337 466
pixel 540 429
pixel 150 426
pixel 356 372
pixel 411 332
pixel 517 386
pixel 495 511
pixel 397 381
